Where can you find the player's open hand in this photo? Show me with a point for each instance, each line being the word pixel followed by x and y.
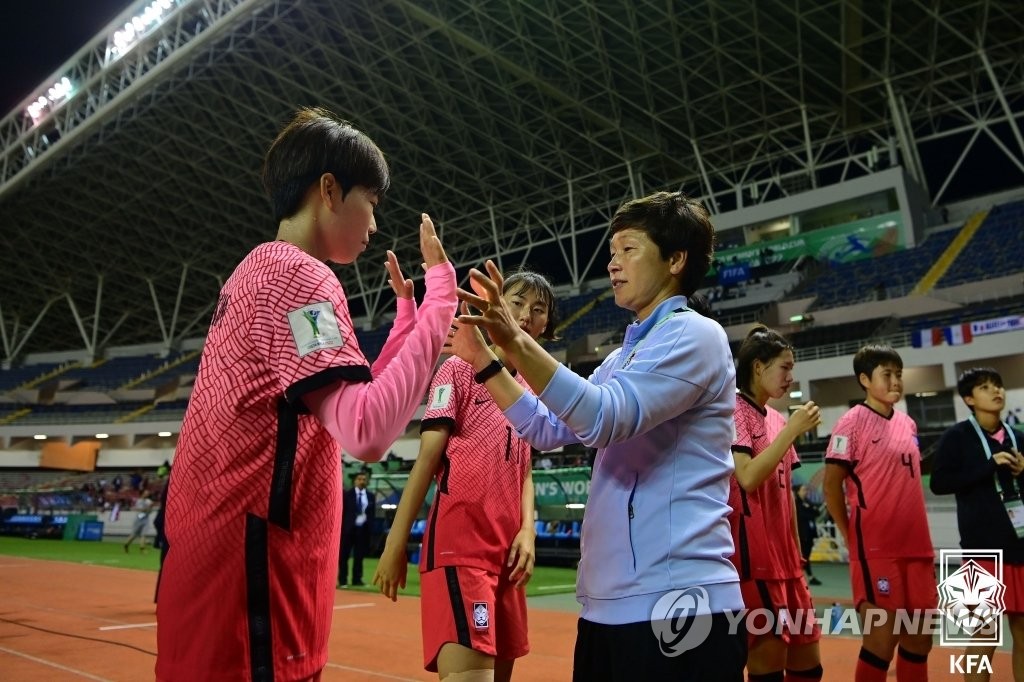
pixel 495 315
pixel 391 571
pixel 430 244
pixel 521 557
pixel 399 284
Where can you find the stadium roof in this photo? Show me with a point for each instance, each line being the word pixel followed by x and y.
pixel 131 190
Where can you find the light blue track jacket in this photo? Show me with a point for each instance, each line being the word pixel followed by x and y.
pixel 660 412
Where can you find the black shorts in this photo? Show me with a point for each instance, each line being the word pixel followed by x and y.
pixel 626 653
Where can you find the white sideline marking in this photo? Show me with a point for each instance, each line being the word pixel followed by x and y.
pixel 555 587
pixel 127 627
pixel 56 665
pixel 371 672
pixel 353 606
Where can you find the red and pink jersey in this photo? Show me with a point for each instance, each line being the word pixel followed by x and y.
pixel 884 493
pixel 762 520
pixel 253 506
pixel 477 508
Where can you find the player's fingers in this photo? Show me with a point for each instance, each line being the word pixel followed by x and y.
pixel 489 288
pixel 495 273
pixel 478 302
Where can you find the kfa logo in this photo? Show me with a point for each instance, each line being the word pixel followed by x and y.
pixel 969 663
pixel 971 599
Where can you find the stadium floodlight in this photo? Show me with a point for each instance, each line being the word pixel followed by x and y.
pixel 164 434
pixel 101 436
pixel 40 436
pixel 388 505
pixel 575 505
pixel 151 17
pixel 796 394
pixel 55 94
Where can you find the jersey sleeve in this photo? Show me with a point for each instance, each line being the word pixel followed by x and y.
pixel 794 458
pixel 842 446
pixel 301 326
pixel 743 441
pixel 447 392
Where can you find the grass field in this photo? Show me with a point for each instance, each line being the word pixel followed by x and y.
pixel 546 579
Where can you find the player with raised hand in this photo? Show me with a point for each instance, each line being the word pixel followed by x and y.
pixel 253 508
pixel 478 548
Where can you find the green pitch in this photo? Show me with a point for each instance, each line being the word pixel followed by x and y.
pixel 546 579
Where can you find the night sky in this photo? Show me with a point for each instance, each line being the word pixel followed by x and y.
pixel 38 36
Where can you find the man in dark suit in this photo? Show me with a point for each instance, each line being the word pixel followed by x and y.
pixel 358 508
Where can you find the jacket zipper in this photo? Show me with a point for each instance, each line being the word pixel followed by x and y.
pixel 632 494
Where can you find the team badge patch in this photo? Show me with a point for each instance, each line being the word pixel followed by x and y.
pixel 883 585
pixel 442 396
pixel 315 327
pixel 839 444
pixel 481 615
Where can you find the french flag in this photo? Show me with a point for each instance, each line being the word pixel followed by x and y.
pixel 926 338
pixel 958 334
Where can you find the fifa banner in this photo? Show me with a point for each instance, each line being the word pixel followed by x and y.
pixel 959 334
pixel 552 487
pixel 868 238
pixel 997 325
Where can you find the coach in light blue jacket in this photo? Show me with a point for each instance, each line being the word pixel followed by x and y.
pixel 656 538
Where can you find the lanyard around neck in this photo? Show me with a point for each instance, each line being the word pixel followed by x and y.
pixel 983 437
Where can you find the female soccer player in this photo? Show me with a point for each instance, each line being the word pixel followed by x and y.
pixel 478 549
pixel 763 519
pixel 253 524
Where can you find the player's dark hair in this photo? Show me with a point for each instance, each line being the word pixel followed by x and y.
pixel 971 378
pixel 762 344
pixel 699 303
pixel 874 355
pixel 313 143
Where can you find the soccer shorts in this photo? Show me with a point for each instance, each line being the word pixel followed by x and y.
pixel 782 608
pixel 895 584
pixel 1013 580
pixel 472 607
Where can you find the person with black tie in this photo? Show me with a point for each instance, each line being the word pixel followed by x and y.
pixel 357 513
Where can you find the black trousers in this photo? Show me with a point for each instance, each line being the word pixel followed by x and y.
pixel 354 541
pixel 631 652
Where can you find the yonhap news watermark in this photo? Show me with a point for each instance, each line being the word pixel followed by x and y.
pixel 971 602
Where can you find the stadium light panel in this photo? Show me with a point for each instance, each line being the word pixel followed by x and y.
pixel 39 436
pixel 164 434
pixel 101 436
pixel 575 505
pixel 796 394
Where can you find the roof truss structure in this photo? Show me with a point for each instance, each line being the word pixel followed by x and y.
pixel 520 126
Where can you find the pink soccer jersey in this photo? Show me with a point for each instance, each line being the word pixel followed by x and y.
pixel 883 488
pixel 253 509
pixel 762 520
pixel 477 508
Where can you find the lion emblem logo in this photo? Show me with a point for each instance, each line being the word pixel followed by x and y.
pixel 971 597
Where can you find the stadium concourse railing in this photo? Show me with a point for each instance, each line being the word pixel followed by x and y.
pixel 833 350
